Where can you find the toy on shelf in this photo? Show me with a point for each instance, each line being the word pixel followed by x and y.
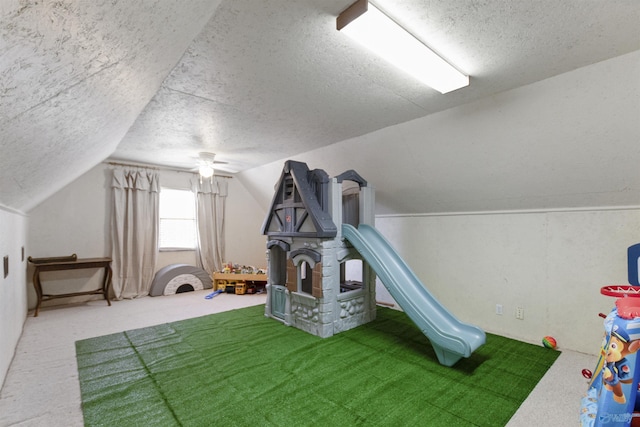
pixel 231 268
pixel 240 279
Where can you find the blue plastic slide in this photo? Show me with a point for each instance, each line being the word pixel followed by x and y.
pixel 451 339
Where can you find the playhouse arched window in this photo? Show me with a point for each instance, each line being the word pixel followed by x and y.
pixel 306 277
pixel 309 275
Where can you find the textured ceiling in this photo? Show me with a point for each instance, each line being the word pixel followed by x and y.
pixel 253 81
pixel 74 76
pixel 267 80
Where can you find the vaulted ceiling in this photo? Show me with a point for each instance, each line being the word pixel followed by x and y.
pixel 254 81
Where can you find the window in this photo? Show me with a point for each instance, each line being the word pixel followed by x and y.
pixel 177 219
pixel 351 272
pixel 306 277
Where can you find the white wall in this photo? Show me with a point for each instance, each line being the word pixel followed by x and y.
pixel 73 220
pixel 244 243
pixel 76 220
pixel 551 264
pixel 13 295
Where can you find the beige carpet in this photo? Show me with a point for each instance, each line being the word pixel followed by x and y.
pixel 41 387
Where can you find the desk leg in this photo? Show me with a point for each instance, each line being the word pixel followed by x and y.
pixel 106 285
pixel 38 286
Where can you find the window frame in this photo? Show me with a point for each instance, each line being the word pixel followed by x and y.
pixel 160 222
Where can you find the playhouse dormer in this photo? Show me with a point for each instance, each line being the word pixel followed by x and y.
pixel 300 206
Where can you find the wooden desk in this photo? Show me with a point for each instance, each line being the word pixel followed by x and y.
pixel 69 263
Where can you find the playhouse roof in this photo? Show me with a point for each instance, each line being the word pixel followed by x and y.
pixel 300 204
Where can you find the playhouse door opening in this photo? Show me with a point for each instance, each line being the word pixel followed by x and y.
pixel 277 266
pixel 278 280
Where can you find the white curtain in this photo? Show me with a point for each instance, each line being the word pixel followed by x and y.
pixel 210 200
pixel 134 230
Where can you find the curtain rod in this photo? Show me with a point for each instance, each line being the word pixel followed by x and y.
pixel 154 167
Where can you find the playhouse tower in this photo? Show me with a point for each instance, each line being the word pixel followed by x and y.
pixel 316 281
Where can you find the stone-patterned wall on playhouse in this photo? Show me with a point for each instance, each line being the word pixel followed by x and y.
pixel 356 307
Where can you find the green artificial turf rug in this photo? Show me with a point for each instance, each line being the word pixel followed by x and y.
pixel 240 368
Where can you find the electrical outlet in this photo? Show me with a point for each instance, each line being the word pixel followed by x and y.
pixel 520 313
pixel 499 309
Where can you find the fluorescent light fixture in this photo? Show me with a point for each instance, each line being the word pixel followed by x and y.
pixel 367 25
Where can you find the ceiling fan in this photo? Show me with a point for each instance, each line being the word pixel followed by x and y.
pixel 206 162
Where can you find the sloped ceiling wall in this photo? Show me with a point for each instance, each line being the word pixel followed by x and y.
pixel 568 142
pixel 273 79
pixel 74 77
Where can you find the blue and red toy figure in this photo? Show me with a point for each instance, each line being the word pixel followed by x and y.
pixel 612 395
pixel 612 399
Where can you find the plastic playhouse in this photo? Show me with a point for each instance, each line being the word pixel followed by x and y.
pixel 612 398
pixel 324 254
